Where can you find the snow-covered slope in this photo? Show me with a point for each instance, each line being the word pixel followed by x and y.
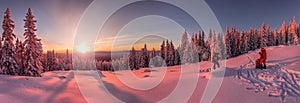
pixel 243 83
pixel 171 84
pixel 53 87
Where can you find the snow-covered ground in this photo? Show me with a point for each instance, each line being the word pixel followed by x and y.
pixel 241 84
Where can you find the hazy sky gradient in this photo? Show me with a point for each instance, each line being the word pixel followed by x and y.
pixel 57 19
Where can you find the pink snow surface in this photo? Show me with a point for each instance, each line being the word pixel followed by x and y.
pixel 54 88
pixel 51 88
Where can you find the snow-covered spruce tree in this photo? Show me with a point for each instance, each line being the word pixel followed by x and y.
pixel 33 48
pixel 243 43
pixel 20 55
pixel 184 49
pixel 152 54
pixel 193 54
pixel 251 40
pixel 116 65
pixel 194 39
pixel 144 57
pixel 186 55
pixel 206 51
pixel 292 36
pixel 213 44
pixel 162 50
pixel 184 40
pixel 152 62
pixel 67 61
pixel 202 39
pixel 171 54
pixel 176 58
pixel 215 47
pixel 199 39
pixel 271 38
pixel 283 34
pixel 277 37
pixel 133 59
pixel 264 35
pixel 202 47
pixel 0 54
pixel 125 62
pixel 51 62
pixel 121 64
pixel 183 44
pixel 228 43
pixel 258 38
pixel 222 45
pixel 298 31
pixel 8 60
pixel 167 49
pixel 234 45
pixel 199 45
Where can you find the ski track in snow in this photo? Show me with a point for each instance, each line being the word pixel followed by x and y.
pixel 276 80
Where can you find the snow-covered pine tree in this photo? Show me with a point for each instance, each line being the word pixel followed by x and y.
pixel 8 60
pixel 144 57
pixel 283 33
pixel 171 54
pixel 206 51
pixel 298 31
pixel 277 37
pixel 116 65
pixel 186 55
pixel 251 40
pixel 162 50
pixel 228 43
pixel 258 38
pixel 67 61
pixel 132 59
pixel 20 55
pixel 0 54
pixel 167 56
pixel 199 38
pixel 176 58
pixel 244 43
pixel 182 48
pixel 125 62
pixel 202 39
pixel 270 38
pixel 222 46
pixel 184 40
pixel 198 46
pixel 33 48
pixel 264 35
pixel 152 54
pixel 195 39
pixel 193 53
pixel 202 48
pixel 214 45
pixel 292 36
pixel 235 41
pixel 51 62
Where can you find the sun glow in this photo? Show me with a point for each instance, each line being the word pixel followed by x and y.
pixel 82 48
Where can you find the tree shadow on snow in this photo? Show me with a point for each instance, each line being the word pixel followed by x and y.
pixel 228 73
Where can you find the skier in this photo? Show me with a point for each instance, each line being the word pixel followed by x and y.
pixel 263 58
pixel 215 60
pixel 261 62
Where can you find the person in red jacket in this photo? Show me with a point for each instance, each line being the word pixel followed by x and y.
pixel 263 58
